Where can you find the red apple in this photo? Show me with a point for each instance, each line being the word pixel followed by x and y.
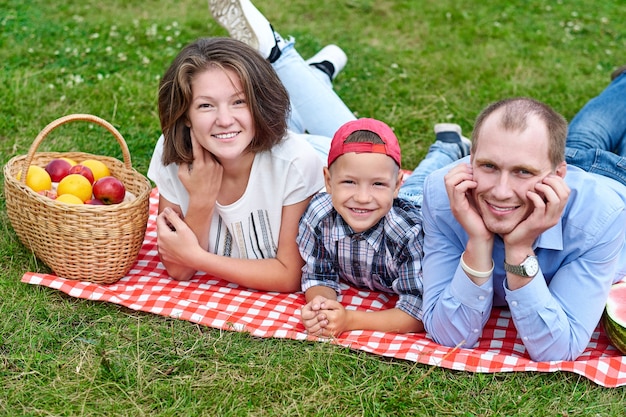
pixel 84 171
pixel 58 169
pixel 94 202
pixel 109 190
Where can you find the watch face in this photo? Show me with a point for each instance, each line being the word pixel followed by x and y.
pixel 531 265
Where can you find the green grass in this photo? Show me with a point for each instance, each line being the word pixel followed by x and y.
pixel 411 63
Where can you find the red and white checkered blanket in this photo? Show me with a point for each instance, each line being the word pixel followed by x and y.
pixel 216 303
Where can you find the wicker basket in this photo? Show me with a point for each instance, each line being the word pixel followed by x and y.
pixel 82 242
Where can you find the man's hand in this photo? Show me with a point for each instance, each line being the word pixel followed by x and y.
pixel 459 183
pixel 549 199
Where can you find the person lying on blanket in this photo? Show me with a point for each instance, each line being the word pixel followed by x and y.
pixel 233 182
pixel 360 232
pixel 516 225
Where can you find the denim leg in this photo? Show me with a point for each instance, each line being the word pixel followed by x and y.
pixel 439 155
pixel 598 161
pixel 315 106
pixel 596 141
pixel 601 123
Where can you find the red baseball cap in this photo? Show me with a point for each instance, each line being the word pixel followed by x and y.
pixel 391 147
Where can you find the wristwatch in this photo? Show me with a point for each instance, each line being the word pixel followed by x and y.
pixel 528 268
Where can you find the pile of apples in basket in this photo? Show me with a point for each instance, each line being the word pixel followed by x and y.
pixel 88 182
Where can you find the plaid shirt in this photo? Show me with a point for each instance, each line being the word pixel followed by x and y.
pixel 385 258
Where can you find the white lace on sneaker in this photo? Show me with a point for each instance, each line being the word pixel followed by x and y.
pixel 245 23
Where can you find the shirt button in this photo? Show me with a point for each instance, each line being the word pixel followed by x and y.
pixel 481 297
pixel 475 330
pixel 514 303
pixel 525 338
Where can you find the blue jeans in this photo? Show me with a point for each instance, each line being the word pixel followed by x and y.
pixel 318 112
pixel 596 138
pixel 439 155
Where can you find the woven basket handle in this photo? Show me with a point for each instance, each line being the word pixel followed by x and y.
pixel 72 118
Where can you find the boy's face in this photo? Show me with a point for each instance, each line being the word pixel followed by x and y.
pixel 362 187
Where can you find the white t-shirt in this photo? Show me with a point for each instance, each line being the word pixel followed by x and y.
pixel 249 228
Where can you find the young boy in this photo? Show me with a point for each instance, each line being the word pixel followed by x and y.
pixel 360 232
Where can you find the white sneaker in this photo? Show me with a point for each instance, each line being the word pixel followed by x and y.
pixel 245 23
pixel 451 132
pixel 331 59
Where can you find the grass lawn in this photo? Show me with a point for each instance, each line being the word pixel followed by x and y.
pixel 411 64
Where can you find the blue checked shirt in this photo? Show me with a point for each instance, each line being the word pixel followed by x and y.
pixel 385 258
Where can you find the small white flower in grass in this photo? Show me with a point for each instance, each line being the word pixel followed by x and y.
pixel 75 79
pixel 122 56
pixel 108 50
pixel 604 20
pixel 31 50
pixel 608 52
pixel 145 60
pixel 100 77
pixel 94 36
pixel 394 65
pixel 169 39
pixel 151 31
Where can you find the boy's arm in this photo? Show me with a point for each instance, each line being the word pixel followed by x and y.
pixel 392 320
pixel 340 320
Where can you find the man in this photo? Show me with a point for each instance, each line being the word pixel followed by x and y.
pixel 518 227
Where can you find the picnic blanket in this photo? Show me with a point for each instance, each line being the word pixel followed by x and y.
pixel 216 303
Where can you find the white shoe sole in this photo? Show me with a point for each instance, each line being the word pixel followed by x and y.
pixel 235 16
pixel 333 54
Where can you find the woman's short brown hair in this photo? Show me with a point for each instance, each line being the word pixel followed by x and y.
pixel 266 96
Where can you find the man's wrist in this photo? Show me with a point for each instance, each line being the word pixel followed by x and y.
pixel 474 273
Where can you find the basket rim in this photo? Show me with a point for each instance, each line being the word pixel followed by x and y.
pixel 68 119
